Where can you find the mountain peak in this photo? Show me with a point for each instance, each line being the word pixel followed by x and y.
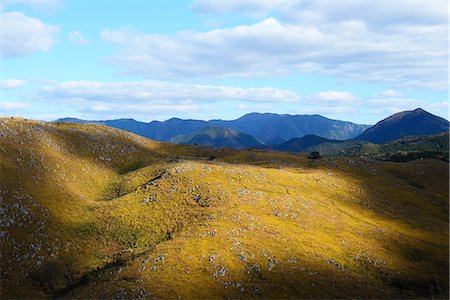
pixel 405 123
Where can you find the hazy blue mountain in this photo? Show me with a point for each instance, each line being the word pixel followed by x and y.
pixel 264 127
pixel 301 144
pixel 75 120
pixel 218 137
pixel 156 130
pixel 125 124
pixel 267 126
pixel 406 123
pixel 163 131
pixel 275 141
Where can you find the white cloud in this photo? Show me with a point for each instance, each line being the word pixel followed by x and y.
pixel 335 98
pixel 329 110
pixel 406 56
pixel 390 105
pixel 375 107
pixel 41 6
pixel 162 91
pixel 330 103
pixel 256 8
pixel 255 107
pixel 389 93
pixel 6 106
pixel 380 13
pixel 121 108
pixel 77 38
pixel 23 35
pixel 8 84
pixel 142 99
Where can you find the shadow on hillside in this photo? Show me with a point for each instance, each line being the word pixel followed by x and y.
pixel 286 279
pixel 395 196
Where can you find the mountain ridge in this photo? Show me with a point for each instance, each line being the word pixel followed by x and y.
pixel 262 126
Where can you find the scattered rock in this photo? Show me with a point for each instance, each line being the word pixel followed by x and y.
pixel 271 264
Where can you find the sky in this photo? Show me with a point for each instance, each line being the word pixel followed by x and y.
pixel 357 60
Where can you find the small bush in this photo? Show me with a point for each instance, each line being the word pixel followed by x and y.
pixel 314 155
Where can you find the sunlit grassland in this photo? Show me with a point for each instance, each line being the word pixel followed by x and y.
pixel 112 213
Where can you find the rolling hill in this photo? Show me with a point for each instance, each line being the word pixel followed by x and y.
pixel 263 127
pixel 301 144
pixel 156 130
pixel 407 123
pixel 218 137
pixel 340 148
pixel 405 149
pixel 89 211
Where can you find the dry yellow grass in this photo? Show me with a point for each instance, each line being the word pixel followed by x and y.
pixel 90 211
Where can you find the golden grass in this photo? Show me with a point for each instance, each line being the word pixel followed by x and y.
pixel 113 214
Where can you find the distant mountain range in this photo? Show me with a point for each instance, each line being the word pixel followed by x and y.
pixel 264 127
pixel 218 137
pixel 406 123
pixel 292 133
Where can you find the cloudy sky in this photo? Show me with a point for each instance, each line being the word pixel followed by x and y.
pixel 357 60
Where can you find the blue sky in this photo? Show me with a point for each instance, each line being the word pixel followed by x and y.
pixel 152 60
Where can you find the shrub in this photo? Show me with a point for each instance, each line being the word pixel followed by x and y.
pixel 314 155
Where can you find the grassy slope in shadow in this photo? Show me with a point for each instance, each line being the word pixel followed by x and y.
pixel 104 213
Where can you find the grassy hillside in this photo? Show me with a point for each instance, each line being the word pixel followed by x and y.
pixel 343 148
pixel 91 211
pixel 300 144
pixel 218 137
pixel 405 149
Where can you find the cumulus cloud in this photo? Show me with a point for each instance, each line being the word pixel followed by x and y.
pixel 8 84
pixel 406 56
pixel 376 106
pixel 7 106
pixel 250 7
pixel 375 13
pixel 255 107
pixel 387 104
pixel 156 98
pixel 334 98
pixel 46 6
pixel 301 11
pixel 23 35
pixel 330 110
pixel 389 93
pixel 330 103
pixel 154 90
pixel 77 38
pixel 123 108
